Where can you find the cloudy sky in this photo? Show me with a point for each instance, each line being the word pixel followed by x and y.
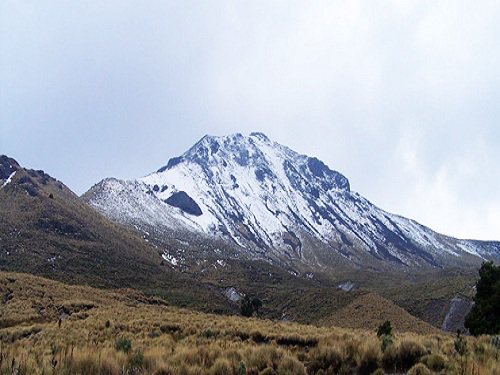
pixel 403 97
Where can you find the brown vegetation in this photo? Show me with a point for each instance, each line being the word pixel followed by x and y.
pixel 370 310
pixel 122 332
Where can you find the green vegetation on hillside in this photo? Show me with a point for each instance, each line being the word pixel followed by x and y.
pixel 484 318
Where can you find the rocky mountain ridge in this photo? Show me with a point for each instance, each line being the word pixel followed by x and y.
pixel 269 202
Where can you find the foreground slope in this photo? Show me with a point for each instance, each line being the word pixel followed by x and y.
pixel 45 229
pixel 50 327
pixel 269 202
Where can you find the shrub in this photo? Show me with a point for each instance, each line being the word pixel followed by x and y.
pixel 222 367
pixel 246 307
pixel 419 369
pixel 208 333
pixel 386 342
pixel 136 360
pixel 402 357
pixel 109 367
pixel 384 332
pixel 290 366
pixel 256 305
pixel 384 329
pixel 84 364
pixel 410 353
pixel 258 337
pixel 264 356
pixel 369 360
pixel 435 362
pixel 242 369
pixel 460 344
pixel 123 344
pixel 324 358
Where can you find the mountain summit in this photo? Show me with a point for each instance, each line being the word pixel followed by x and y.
pixel 267 201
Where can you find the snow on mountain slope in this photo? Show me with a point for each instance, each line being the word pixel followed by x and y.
pixel 269 199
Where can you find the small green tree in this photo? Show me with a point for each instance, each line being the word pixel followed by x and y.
pixel 246 306
pixel 461 349
pixel 242 369
pixel 384 332
pixel 256 304
pixel 123 344
pixel 484 317
pixel 384 329
pixel 249 306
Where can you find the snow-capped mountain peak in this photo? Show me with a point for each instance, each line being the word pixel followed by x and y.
pixel 272 202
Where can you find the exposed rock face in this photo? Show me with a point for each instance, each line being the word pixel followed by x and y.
pixel 184 202
pixel 457 311
pixel 232 294
pixel 7 167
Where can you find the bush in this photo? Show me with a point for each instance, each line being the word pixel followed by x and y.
pixel 384 329
pixel 123 344
pixel 84 364
pixel 326 359
pixel 208 333
pixel 435 362
pixel 410 353
pixel 419 369
pixel 291 366
pixel 369 360
pixel 222 367
pixel 386 342
pixel 460 344
pixel 246 307
pixel 256 305
pixel 136 360
pixel 263 356
pixel 242 369
pixel 384 332
pixel 402 357
pixel 109 367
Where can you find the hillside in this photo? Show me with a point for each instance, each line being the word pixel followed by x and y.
pixel 50 327
pixel 47 230
pixel 370 310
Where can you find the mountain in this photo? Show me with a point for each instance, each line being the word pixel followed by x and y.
pixel 47 230
pixel 248 197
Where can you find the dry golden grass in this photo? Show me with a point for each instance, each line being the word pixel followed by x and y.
pixel 167 340
pixel 370 310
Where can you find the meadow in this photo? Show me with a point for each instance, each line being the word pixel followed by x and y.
pixel 47 327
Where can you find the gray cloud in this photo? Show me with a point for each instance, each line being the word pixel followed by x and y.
pixel 400 96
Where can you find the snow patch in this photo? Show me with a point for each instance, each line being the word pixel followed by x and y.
pixel 170 258
pixel 9 179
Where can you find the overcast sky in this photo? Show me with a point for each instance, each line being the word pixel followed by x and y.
pixel 402 97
